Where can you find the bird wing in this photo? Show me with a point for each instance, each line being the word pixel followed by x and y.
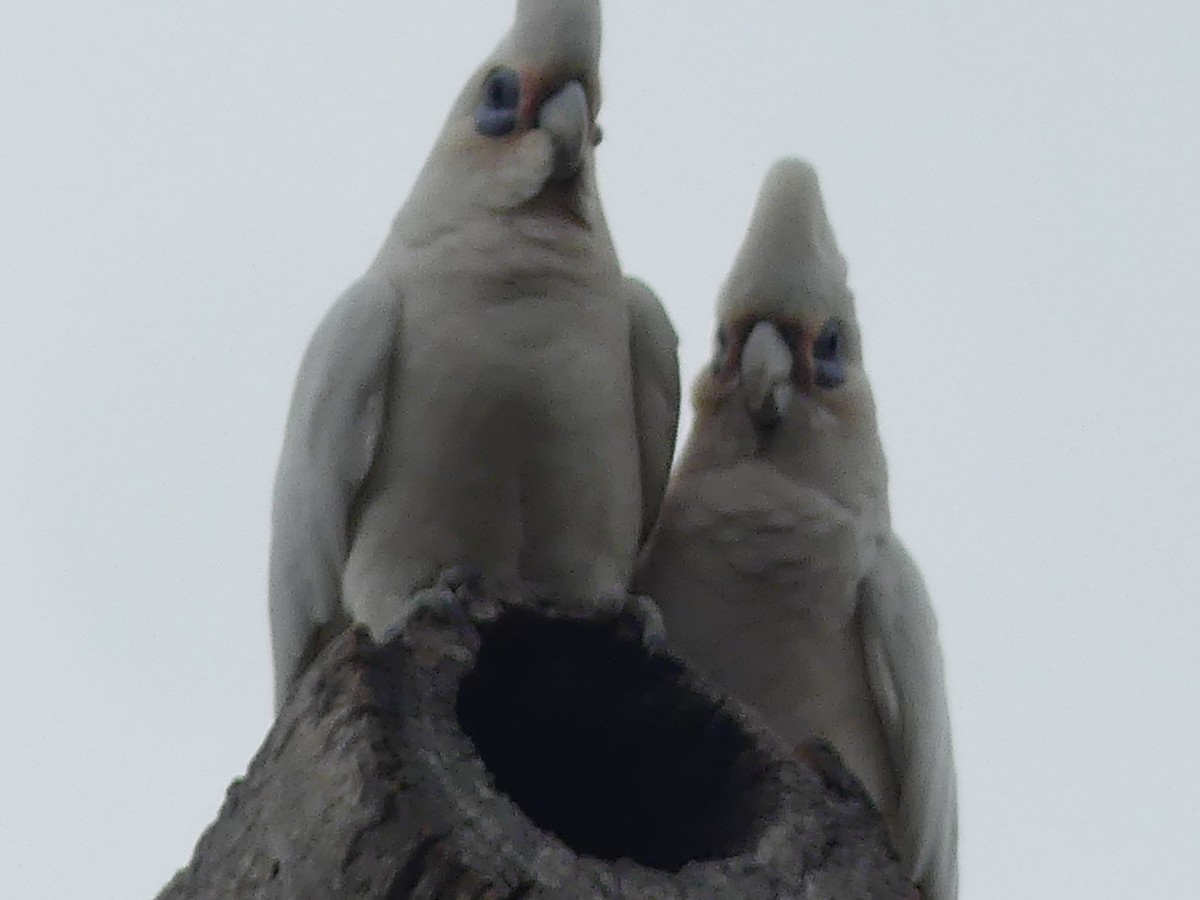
pixel 334 428
pixel 905 672
pixel 654 353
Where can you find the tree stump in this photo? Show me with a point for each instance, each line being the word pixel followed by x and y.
pixel 498 747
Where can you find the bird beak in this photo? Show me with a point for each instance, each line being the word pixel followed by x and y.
pixel 565 117
pixel 766 374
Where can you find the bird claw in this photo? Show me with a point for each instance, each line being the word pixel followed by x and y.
pixel 640 614
pixel 827 763
pixel 455 602
pixel 461 578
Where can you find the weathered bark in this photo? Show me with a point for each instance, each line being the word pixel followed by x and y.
pixel 499 749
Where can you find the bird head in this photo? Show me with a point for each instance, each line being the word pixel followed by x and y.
pixel 523 131
pixel 787 347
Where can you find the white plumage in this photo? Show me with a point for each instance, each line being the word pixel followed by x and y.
pixel 493 392
pixel 774 561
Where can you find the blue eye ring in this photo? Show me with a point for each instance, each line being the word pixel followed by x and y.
pixel 829 343
pixel 501 98
pixel 829 360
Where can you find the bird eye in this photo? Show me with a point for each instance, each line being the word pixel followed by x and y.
pixel 502 89
pixel 720 349
pixel 497 113
pixel 828 344
pixel 828 352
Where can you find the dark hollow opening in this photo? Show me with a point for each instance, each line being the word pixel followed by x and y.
pixel 600 744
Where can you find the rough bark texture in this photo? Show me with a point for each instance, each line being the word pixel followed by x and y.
pixel 497 748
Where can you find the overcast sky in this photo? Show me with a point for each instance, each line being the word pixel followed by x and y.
pixel 185 187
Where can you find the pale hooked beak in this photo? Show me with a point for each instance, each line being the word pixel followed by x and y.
pixel 766 374
pixel 566 118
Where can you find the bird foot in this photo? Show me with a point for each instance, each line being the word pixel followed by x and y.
pixel 455 603
pixel 824 760
pixel 639 615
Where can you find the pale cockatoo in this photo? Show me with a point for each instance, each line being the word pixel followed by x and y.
pixel 493 392
pixel 774 563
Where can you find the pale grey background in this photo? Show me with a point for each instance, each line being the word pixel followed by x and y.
pixel 184 188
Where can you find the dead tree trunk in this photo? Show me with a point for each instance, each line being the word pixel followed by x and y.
pixel 500 749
